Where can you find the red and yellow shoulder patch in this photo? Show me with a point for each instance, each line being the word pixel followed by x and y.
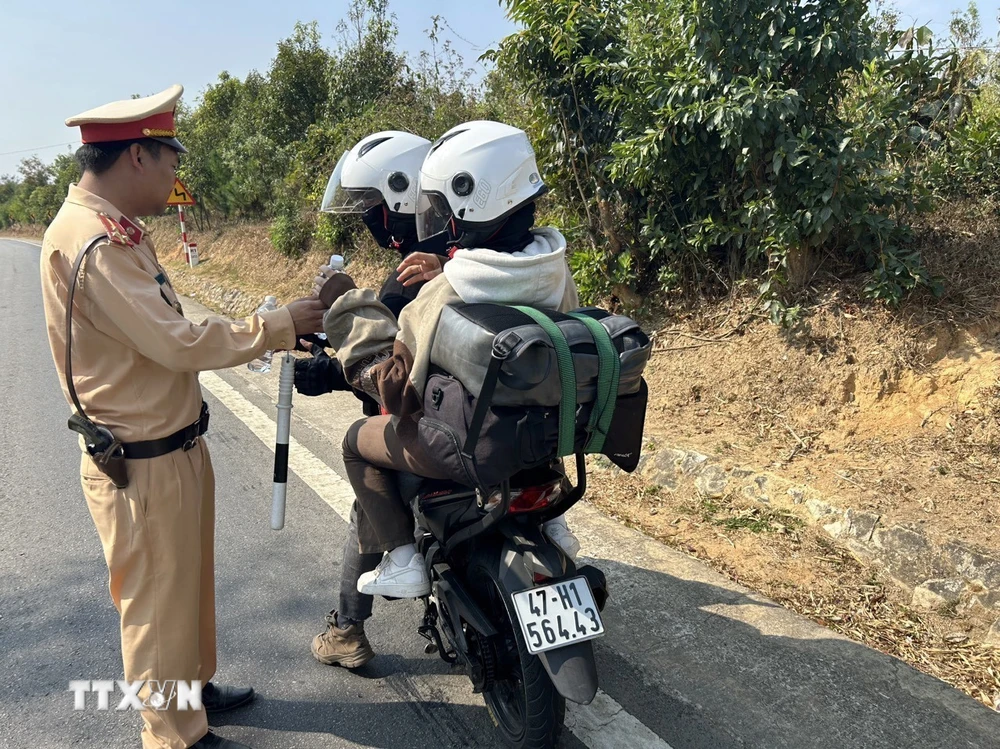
pixel 115 231
pixel 132 229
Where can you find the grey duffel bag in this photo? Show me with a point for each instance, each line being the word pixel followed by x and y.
pixel 463 347
pixel 498 398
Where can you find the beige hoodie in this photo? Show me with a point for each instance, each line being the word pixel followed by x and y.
pixel 390 362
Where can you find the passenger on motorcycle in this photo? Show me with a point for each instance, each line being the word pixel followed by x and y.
pixel 478 187
pixel 377 179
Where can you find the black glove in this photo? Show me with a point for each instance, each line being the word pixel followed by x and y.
pixel 319 375
pixel 303 342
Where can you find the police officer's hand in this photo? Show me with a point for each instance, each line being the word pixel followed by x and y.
pixel 318 375
pixel 307 315
pixel 419 266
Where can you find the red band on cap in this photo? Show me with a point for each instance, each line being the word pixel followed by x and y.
pixel 157 125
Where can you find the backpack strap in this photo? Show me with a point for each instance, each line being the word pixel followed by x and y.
pixel 567 378
pixel 608 377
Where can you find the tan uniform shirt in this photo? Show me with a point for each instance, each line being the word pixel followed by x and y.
pixel 135 357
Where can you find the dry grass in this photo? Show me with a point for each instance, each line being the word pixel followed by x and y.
pixel 958 244
pixel 775 554
pixel 865 611
pixel 242 257
pixel 855 400
pixel 29 231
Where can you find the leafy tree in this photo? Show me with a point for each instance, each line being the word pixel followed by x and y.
pixel 720 131
pixel 34 173
pixel 295 95
pixel 367 67
pixel 548 60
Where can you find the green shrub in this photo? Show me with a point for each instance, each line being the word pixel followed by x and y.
pixel 290 234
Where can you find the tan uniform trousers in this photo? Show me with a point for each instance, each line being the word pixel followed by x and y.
pixel 159 537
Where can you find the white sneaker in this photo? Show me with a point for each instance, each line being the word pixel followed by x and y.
pixel 395 581
pixel 559 533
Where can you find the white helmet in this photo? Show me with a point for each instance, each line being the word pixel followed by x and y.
pixel 478 174
pixel 383 166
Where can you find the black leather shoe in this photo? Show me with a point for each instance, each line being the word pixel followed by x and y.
pixel 211 741
pixel 218 699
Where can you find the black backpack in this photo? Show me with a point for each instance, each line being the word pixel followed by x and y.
pixel 511 388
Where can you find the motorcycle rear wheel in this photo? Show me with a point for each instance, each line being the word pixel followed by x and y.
pixel 523 703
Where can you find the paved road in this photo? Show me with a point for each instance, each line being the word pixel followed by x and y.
pixel 690 660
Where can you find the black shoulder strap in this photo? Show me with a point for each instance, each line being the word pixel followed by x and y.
pixel 88 247
pixel 503 345
pixel 482 405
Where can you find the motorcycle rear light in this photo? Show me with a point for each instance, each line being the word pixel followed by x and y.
pixel 527 499
pixel 540 578
pixel 532 498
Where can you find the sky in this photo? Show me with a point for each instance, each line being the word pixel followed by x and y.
pixel 62 57
pixel 936 14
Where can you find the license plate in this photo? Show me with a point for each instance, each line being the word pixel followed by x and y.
pixel 557 615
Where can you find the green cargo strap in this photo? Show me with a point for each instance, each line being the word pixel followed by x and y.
pixel 567 378
pixel 608 376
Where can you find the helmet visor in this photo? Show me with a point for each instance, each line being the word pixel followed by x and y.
pixel 340 199
pixel 433 214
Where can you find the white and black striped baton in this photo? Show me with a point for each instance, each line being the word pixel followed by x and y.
pixel 285 382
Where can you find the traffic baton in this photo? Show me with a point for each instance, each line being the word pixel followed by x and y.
pixel 285 382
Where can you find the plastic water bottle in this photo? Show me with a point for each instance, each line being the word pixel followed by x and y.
pixel 336 266
pixel 262 364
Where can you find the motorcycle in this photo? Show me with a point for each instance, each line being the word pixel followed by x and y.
pixel 515 610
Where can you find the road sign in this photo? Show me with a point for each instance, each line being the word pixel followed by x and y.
pixel 180 195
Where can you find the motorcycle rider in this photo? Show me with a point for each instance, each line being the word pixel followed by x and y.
pixel 478 186
pixel 377 179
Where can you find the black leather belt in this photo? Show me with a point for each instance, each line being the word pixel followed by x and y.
pixel 183 439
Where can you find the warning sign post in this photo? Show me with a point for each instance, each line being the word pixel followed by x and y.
pixel 180 196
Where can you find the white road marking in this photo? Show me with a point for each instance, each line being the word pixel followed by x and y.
pixel 604 724
pixel 322 479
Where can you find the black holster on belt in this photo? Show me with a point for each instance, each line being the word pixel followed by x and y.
pixel 103 447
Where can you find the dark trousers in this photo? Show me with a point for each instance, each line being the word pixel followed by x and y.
pixel 354 605
pixel 375 450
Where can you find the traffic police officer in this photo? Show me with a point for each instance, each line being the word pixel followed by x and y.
pixel 134 362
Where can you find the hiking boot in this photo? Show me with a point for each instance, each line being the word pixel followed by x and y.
pixel 342 646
